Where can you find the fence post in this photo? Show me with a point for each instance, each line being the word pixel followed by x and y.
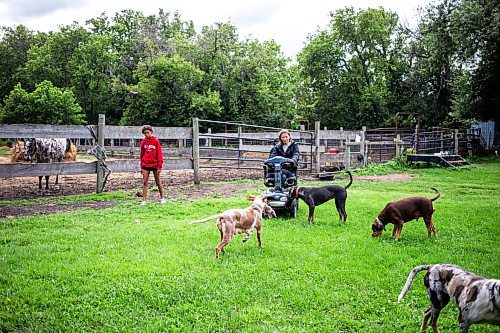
pixel 469 142
pixel 100 143
pixel 456 142
pixel 196 151
pixel 442 143
pixel 240 144
pixel 316 143
pixel 362 145
pixel 208 141
pixel 416 138
pixel 398 146
pixel 347 156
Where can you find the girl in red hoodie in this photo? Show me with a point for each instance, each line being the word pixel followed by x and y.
pixel 151 160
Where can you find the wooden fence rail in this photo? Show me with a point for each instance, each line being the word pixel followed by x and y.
pixel 356 147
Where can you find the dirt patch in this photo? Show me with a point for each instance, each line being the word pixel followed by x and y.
pixel 13 211
pixel 178 185
pixel 394 177
pixel 173 180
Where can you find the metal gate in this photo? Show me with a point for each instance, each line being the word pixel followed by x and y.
pixel 236 145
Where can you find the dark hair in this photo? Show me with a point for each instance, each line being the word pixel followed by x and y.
pixel 146 128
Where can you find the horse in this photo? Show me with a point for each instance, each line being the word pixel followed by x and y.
pixel 38 150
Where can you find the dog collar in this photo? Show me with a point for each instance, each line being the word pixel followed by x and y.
pixel 256 204
pixel 296 192
pixel 380 222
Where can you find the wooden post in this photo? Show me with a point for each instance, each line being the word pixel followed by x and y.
pixel 325 141
pixel 196 151
pixel 100 143
pixel 417 133
pixel 442 143
pixel 398 146
pixel 240 144
pixel 316 144
pixel 347 156
pixel 469 142
pixel 362 145
pixel 456 142
pixel 208 142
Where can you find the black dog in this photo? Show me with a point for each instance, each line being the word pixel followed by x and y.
pixel 315 196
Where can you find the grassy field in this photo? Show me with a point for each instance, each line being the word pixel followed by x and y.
pixel 99 271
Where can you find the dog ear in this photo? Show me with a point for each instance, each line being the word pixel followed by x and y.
pixel 251 198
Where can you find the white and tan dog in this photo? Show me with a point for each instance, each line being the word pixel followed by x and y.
pixel 477 298
pixel 236 221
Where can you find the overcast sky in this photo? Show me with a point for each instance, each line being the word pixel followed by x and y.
pixel 288 22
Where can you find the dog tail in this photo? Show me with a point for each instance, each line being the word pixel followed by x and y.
pixel 213 217
pixel 437 195
pixel 414 272
pixel 350 182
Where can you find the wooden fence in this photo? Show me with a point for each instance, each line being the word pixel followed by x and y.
pixel 188 148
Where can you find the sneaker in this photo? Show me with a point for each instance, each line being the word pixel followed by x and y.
pixel 162 201
pixel 143 203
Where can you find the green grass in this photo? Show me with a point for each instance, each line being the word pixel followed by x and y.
pixel 98 271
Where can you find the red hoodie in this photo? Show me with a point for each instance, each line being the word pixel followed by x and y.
pixel 151 155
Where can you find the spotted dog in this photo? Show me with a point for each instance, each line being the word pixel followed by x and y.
pixel 477 298
pixel 405 210
pixel 235 221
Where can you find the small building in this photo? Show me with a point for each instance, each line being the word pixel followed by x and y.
pixel 489 132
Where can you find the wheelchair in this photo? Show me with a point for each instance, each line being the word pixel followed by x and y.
pixel 279 193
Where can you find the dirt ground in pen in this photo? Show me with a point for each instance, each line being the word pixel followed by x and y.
pixel 177 183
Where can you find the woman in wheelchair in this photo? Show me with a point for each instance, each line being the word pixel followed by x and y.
pixel 286 148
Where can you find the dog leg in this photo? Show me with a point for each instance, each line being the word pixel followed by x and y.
pixel 430 227
pixel 311 214
pixel 427 315
pixel 340 204
pixel 248 235
pixel 220 248
pixel 434 318
pixel 227 231
pixel 259 233
pixel 339 209
pixel 399 231
pixel 344 213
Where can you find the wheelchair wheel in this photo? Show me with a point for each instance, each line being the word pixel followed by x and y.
pixel 294 207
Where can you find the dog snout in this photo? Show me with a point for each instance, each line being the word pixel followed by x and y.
pixel 376 229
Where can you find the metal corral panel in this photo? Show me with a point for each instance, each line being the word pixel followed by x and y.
pixel 490 133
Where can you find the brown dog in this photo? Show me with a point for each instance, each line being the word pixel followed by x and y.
pixel 402 211
pixel 235 221
pixel 477 298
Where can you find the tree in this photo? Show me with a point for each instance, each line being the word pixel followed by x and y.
pixel 50 61
pixel 92 66
pixel 14 46
pixel 476 28
pixel 45 105
pixel 350 70
pixel 169 93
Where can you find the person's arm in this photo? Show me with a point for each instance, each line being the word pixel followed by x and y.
pixel 273 152
pixel 296 154
pixel 159 155
pixel 142 154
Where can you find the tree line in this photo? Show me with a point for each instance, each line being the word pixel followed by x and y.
pixel 360 70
